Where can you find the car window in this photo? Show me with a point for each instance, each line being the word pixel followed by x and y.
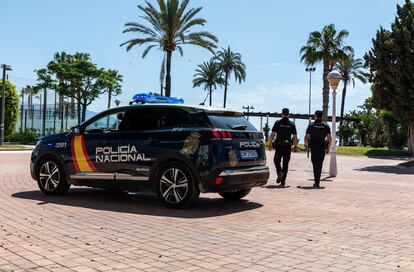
pixel 158 118
pixel 107 123
pixel 230 122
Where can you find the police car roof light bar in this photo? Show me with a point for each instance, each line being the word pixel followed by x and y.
pixel 144 98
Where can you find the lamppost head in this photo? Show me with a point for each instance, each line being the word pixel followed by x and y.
pixel 6 67
pixel 334 77
pixel 117 102
pixel 310 69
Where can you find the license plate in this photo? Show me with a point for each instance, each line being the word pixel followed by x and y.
pixel 248 154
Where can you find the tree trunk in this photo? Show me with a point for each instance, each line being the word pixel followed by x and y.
pixel 410 143
pixel 22 110
pixel 78 107
pixel 168 76
pixel 84 106
pixel 325 91
pixel 109 98
pixel 44 112
pixel 211 94
pixel 342 109
pixel 54 114
pixel 226 79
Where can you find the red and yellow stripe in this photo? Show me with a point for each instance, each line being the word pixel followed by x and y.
pixel 80 157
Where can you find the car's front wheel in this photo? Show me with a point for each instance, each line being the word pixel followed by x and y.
pixel 176 186
pixel 235 195
pixel 51 177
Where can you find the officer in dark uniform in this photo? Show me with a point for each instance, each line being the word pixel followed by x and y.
pixel 318 139
pixel 284 129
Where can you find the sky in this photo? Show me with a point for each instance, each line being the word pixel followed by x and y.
pixel 267 33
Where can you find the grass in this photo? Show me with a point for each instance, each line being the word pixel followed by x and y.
pixel 6 147
pixel 366 151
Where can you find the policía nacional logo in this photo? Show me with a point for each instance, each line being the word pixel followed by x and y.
pixel 126 153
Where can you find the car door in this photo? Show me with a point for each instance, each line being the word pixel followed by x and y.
pixel 94 151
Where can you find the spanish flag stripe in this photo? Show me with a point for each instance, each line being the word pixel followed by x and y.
pixel 88 159
pixel 81 159
pixel 74 161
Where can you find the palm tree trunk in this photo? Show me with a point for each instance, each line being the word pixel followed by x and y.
pixel 226 79
pixel 54 114
pixel 22 111
pixel 342 108
pixel 44 112
pixel 325 91
pixel 211 94
pixel 168 76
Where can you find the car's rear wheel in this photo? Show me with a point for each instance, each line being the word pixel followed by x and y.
pixel 176 186
pixel 51 177
pixel 235 195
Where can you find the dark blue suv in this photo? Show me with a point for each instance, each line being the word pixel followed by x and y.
pixel 176 151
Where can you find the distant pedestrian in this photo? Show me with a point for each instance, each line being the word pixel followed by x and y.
pixel 318 139
pixel 286 136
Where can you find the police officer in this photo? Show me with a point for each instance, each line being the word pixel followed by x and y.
pixel 318 139
pixel 284 129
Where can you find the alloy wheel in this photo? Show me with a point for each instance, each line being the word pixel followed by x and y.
pixel 174 185
pixel 49 176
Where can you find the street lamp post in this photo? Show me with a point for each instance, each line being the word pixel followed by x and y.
pixel 334 78
pixel 5 68
pixel 248 108
pixel 310 70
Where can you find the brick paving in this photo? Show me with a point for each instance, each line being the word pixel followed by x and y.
pixel 362 221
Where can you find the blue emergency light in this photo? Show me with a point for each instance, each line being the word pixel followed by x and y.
pixel 144 98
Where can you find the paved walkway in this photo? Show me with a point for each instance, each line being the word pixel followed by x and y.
pixel 362 221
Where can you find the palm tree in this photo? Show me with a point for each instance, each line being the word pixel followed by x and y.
pixel 110 82
pixel 169 29
pixel 351 70
pixel 230 63
pixel 328 47
pixel 208 76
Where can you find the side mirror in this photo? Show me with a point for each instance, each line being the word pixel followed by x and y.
pixel 76 130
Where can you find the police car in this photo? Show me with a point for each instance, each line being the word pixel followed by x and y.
pixel 174 150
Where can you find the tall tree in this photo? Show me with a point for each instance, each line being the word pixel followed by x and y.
pixel 77 78
pixel 391 64
pixel 230 63
pixel 110 83
pixel 169 28
pixel 326 46
pixel 11 107
pixel 44 82
pixel 208 76
pixel 351 70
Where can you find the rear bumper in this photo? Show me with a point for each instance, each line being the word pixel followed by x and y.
pixel 239 179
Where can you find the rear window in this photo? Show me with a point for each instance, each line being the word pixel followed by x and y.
pixel 230 122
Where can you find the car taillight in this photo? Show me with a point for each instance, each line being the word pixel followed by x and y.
pixel 221 134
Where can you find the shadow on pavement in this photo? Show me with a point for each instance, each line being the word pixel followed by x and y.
pixel 275 187
pixel 310 187
pixel 389 169
pixel 140 203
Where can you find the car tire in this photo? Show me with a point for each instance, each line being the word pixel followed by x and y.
pixel 176 185
pixel 51 177
pixel 235 195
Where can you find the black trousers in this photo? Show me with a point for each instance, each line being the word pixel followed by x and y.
pixel 282 152
pixel 317 157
